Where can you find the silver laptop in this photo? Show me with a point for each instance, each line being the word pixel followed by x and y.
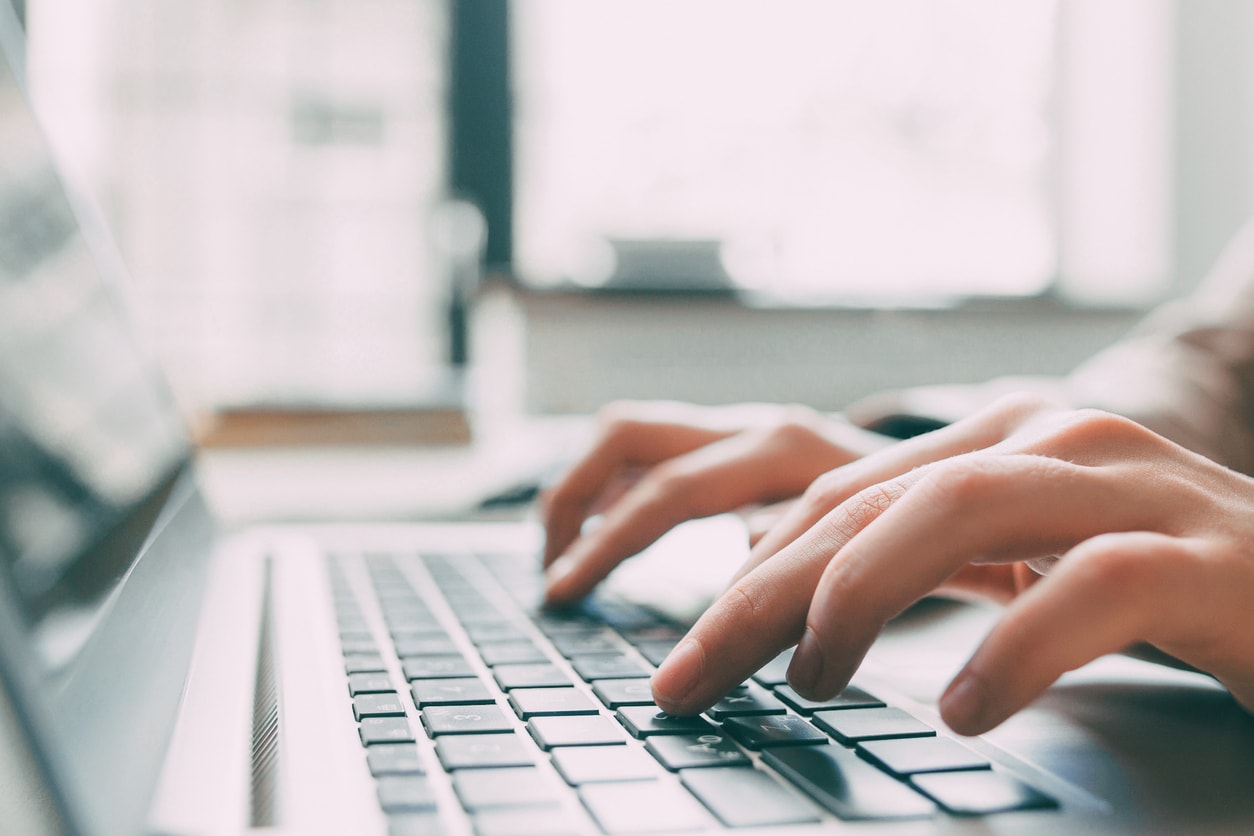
pixel 160 674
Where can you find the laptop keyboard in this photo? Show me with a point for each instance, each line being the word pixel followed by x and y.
pixel 543 723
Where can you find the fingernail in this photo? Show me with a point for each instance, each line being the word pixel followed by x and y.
pixel 557 572
pixel 678 674
pixel 806 667
pixel 964 705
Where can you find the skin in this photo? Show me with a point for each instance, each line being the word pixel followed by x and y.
pixel 1147 543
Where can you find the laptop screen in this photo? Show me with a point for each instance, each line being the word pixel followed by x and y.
pixel 88 435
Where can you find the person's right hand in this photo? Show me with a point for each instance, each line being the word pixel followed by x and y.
pixel 654 465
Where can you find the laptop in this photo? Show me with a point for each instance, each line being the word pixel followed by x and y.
pixel 160 673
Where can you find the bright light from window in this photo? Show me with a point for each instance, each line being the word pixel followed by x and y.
pixel 827 148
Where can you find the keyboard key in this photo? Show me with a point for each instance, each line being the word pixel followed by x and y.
pixel 586 644
pixel 656 651
pixel 852 697
pixel 374 730
pixel 486 789
pixel 377 705
pixel 532 675
pixel 472 751
pixel 695 751
pixel 775 672
pixel 599 764
pixel 527 821
pixel 922 754
pixel 608 666
pixel 643 807
pixel 393 759
pixel 436 667
pixel 405 793
pixel 503 653
pixel 853 725
pixel 645 720
pixel 464 719
pixel 359 646
pixel 747 797
pixel 495 632
pixel 463 691
pixel 981 793
pixel 369 683
pixel 435 645
pixel 535 702
pixel 773 730
pixel 616 693
pixel 363 663
pixel 846 785
pixel 580 730
pixel 747 700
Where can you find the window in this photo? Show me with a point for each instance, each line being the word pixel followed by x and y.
pixel 910 149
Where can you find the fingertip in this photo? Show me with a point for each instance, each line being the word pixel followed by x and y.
pixel 677 676
pixel 966 706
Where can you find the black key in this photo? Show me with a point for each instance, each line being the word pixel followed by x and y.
pixel 586 644
pixel 579 730
pixel 643 807
pixel 846 785
pixel 505 653
pixel 693 751
pixel 435 645
pixel 363 663
pixel 393 759
pixel 853 725
pixel 773 730
pixel 747 700
pixel 775 672
pixel 436 667
pixel 536 702
pixel 377 705
pixel 354 647
pixel 600 764
pixel 922 754
pixel 374 730
pixel 656 651
pixel 517 786
pixel 647 720
pixel 495 632
pixel 851 697
pixel 369 683
pixel 525 821
pixel 472 751
pixel 616 693
pixel 464 719
pixel 530 675
pixel 461 691
pixel 746 797
pixel 405 793
pixel 607 666
pixel 981 793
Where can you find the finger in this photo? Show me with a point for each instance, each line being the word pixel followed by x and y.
pixel 982 508
pixel 762 520
pixel 1106 594
pixel 751 467
pixel 978 432
pixel 757 617
pixel 623 443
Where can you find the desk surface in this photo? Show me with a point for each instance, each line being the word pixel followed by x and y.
pixel 385 482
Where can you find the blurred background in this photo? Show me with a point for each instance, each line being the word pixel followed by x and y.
pixel 715 200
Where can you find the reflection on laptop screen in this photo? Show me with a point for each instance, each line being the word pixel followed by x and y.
pixel 87 436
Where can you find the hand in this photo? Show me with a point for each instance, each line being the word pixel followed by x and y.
pixel 654 465
pixel 1152 544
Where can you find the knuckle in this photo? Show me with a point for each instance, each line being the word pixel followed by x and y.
pixel 964 480
pixel 1084 427
pixel 827 491
pixel 865 507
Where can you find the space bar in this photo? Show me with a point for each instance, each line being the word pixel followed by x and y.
pixel 846 785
